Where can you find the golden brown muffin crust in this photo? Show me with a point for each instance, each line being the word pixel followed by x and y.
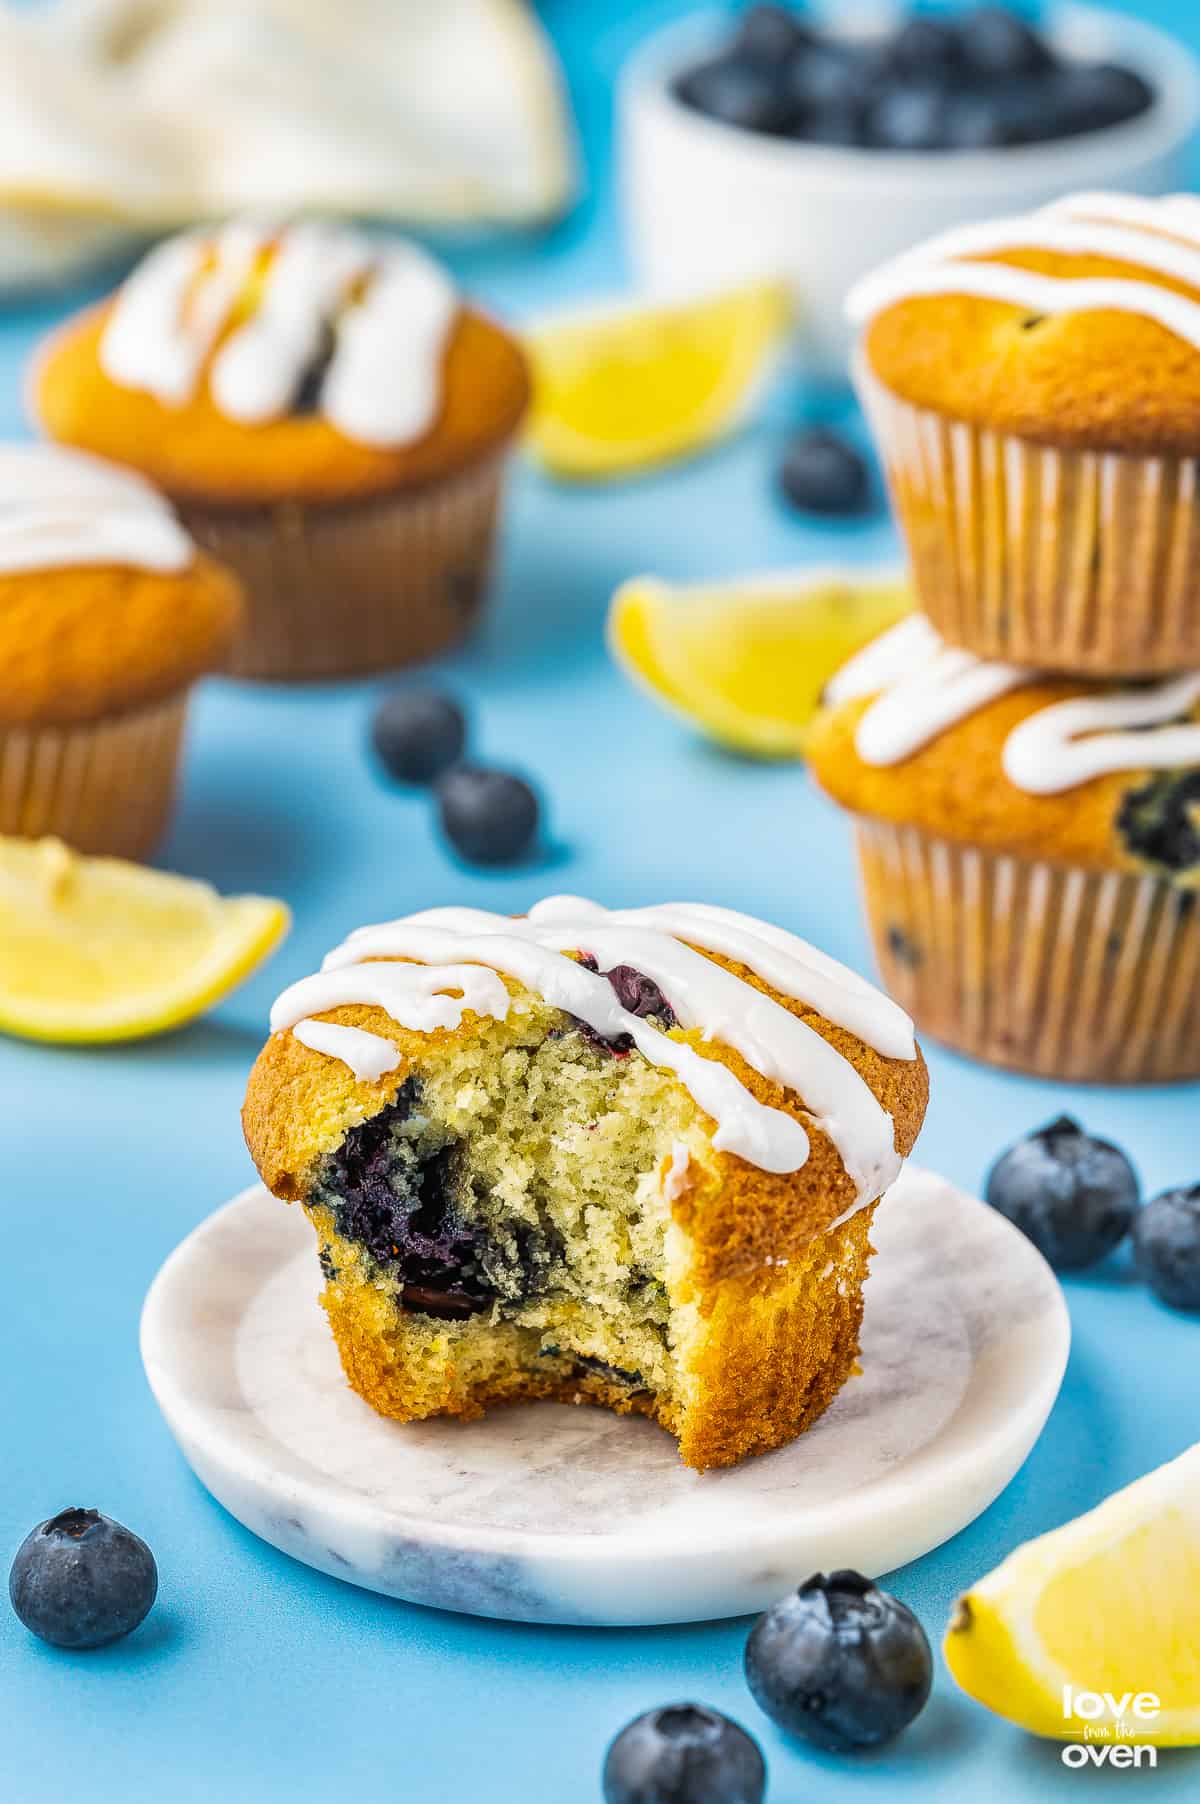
pixel 955 787
pixel 196 454
pixel 79 643
pixel 1103 380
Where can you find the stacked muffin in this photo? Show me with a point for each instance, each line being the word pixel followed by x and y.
pixel 1023 760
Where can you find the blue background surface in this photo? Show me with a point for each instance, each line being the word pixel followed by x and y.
pixel 256 1679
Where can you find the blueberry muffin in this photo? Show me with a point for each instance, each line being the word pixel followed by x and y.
pixel 108 615
pixel 1034 385
pixel 328 418
pixel 628 1158
pixel 1030 853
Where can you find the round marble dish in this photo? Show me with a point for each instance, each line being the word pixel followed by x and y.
pixel 548 1513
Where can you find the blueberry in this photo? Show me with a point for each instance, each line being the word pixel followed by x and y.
pixel 1087 97
pixel 925 47
pixel 490 816
pixel 823 474
pixel 840 1662
pixel 418 734
pixel 832 75
pixel 974 122
pixel 912 116
pixel 683 1754
pixel 1027 109
pixel 80 1580
pixel 997 41
pixel 768 34
pixel 738 92
pixel 1074 1196
pixel 1166 1247
pixel 834 125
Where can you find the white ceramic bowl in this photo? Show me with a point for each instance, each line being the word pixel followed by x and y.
pixel 706 203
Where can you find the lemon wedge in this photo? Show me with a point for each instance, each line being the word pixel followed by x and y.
pixel 746 662
pixel 1089 1633
pixel 625 387
pixel 97 949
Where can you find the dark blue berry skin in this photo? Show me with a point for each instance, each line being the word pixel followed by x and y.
pixel 974 123
pixel 840 1662
pixel 995 41
pixel 768 34
pixel 1166 1247
pixel 418 734
pixel 926 47
pixel 1090 96
pixel 912 116
pixel 684 1754
pixel 823 474
pixel 81 1580
pixel 738 91
pixel 1074 1196
pixel 489 816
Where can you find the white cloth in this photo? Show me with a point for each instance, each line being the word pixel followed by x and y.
pixel 124 117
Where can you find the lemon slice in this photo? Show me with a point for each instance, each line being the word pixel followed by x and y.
pixel 746 662
pixel 1089 1633
pixel 97 949
pixel 626 387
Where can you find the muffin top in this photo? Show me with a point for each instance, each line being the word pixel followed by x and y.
pixel 810 1077
pixel 1077 326
pixel 105 604
pixel 1105 776
pixel 256 365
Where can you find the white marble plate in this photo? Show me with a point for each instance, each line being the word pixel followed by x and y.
pixel 549 1513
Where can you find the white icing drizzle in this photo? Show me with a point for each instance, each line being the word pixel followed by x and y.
pixel 1072 742
pixel 922 687
pixel 369 1056
pixel 1159 235
pixel 62 509
pixel 389 306
pixel 459 949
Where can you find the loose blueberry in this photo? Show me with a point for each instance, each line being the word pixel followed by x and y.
pixel 823 474
pixel 684 1754
pixel 997 41
pixel 81 1580
pixel 1166 1247
pixel 834 125
pixel 739 92
pixel 490 816
pixel 831 76
pixel 418 734
pixel 1073 1195
pixel 840 1662
pixel 768 34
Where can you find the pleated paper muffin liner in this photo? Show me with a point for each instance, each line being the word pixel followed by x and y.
pixel 1088 976
pixel 102 786
pixel 1074 561
pixel 361 586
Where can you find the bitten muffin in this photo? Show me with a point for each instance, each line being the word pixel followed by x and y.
pixel 108 615
pixel 1030 854
pixel 627 1158
pixel 328 418
pixel 1034 385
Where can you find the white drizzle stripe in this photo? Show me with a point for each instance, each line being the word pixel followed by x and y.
pixel 63 509
pixel 787 963
pixel 1123 227
pixel 704 996
pixel 1073 742
pixel 415 996
pixel 765 1137
pixel 369 1056
pixel 932 687
pixel 383 382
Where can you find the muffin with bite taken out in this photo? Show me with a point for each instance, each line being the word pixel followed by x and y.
pixel 625 1157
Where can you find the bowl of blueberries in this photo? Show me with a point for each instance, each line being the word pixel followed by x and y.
pixel 788 140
